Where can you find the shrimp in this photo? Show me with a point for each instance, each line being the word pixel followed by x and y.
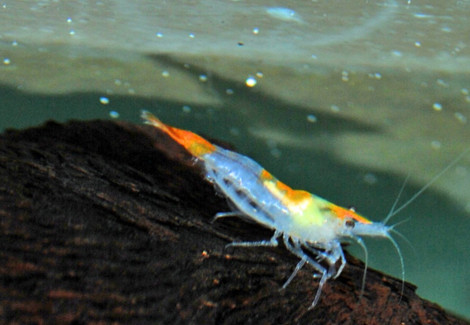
pixel 308 224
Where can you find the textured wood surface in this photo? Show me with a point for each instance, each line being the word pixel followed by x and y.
pixel 104 222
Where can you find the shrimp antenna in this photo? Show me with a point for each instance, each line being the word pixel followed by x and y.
pixel 392 209
pixel 399 234
pixel 425 187
pixel 402 263
pixel 366 262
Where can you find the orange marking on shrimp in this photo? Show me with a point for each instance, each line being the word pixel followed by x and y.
pixel 282 191
pixel 195 144
pixel 343 213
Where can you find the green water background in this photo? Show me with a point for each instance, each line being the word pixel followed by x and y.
pixel 347 121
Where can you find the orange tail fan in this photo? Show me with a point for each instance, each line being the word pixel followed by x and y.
pixel 195 144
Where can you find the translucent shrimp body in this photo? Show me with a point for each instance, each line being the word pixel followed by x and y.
pixel 308 225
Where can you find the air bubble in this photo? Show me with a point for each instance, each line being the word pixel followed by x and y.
pixel 437 107
pixel 376 75
pixel 250 82
pixel 104 100
pixel 311 118
pixel 285 14
pixel 114 114
pixel 334 108
pixel 442 83
pixel 370 178
pixel 436 144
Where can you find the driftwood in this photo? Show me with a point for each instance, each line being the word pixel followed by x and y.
pixel 105 222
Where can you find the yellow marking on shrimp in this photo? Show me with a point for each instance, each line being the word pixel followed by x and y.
pixel 302 204
pixel 283 192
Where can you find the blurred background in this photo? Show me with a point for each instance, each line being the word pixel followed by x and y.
pixel 341 98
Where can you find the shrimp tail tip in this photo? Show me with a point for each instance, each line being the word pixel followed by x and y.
pixel 151 119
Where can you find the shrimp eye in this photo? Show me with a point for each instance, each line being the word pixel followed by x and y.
pixel 350 223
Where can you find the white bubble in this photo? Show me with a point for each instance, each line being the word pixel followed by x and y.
pixel 165 74
pixel 421 15
pixel 256 30
pixel 203 78
pixel 191 35
pixel 104 100
pixel 437 107
pixel 311 118
pixel 186 109
pixel 72 32
pixel 418 44
pixel 159 35
pixel 69 20
pixel 285 14
pixel 250 82
pixel 114 114
pixel 6 61
pixel 334 108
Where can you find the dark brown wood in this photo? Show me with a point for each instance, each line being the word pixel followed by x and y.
pixel 105 222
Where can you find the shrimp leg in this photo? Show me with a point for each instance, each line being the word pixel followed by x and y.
pixel 297 250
